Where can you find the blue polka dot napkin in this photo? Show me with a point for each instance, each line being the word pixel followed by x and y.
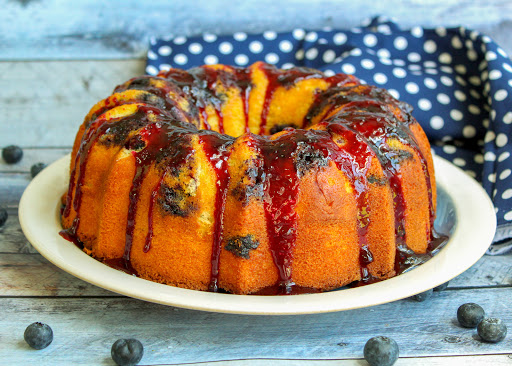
pixel 458 81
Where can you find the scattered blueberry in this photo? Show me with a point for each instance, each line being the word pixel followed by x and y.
pixel 381 351
pixel 492 330
pixel 127 352
pixel 470 314
pixel 12 154
pixel 36 169
pixel 3 216
pixel 38 335
pixel 423 296
pixel 441 287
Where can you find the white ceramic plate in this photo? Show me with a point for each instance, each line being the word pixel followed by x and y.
pixel 464 209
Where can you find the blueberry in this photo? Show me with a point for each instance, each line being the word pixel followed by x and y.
pixel 36 169
pixel 127 352
pixel 38 335
pixel 470 314
pixel 442 286
pixel 423 296
pixel 492 330
pixel 381 351
pixel 3 216
pixel 12 154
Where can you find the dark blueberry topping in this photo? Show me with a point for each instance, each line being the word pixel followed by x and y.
pixel 135 143
pixel 470 314
pixel 373 179
pixel 38 335
pixel 442 287
pixel 252 185
pixel 36 169
pixel 242 245
pixel 492 330
pixel 280 127
pixel 423 296
pixel 3 216
pixel 381 351
pixel 127 352
pixel 308 157
pixel 175 201
pixel 12 154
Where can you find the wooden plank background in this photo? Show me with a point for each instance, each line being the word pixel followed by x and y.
pixel 174 335
pixel 81 29
pixel 45 102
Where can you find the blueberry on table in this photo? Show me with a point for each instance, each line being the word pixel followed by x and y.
pixel 36 169
pixel 423 296
pixel 492 330
pixel 38 335
pixel 442 286
pixel 12 154
pixel 470 314
pixel 127 352
pixel 381 351
pixel 3 216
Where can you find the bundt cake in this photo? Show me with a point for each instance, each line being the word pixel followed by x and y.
pixel 244 179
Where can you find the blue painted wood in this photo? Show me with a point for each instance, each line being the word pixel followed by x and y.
pixel 86 328
pixel 81 29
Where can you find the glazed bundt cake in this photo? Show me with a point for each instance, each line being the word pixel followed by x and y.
pixel 242 179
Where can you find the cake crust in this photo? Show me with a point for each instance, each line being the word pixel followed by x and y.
pixel 244 179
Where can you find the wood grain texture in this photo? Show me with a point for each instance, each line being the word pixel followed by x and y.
pixel 489 360
pixel 11 188
pixel 173 335
pixel 12 239
pixel 120 29
pixel 44 103
pixel 33 275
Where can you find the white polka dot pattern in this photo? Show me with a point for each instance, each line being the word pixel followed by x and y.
pixel 459 82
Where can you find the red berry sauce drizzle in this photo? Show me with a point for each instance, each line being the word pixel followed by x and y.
pixel 281 186
pixel 366 118
pixel 287 78
pixel 154 138
pixel 363 125
pixel 216 148
pixel 369 103
pixel 354 159
pixel 96 130
pixel 200 85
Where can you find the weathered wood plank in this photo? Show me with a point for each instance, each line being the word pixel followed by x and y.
pixel 173 335
pixel 33 275
pixel 488 271
pixel 489 360
pixel 12 239
pixel 11 189
pixel 120 29
pixel 44 103
pixel 14 178
pixel 32 156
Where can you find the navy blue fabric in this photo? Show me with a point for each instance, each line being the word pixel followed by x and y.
pixel 458 81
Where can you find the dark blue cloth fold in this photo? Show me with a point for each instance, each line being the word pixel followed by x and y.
pixel 458 81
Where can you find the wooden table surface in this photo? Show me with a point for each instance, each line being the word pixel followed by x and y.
pixel 56 61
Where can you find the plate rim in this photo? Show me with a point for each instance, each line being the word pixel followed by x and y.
pixel 469 198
